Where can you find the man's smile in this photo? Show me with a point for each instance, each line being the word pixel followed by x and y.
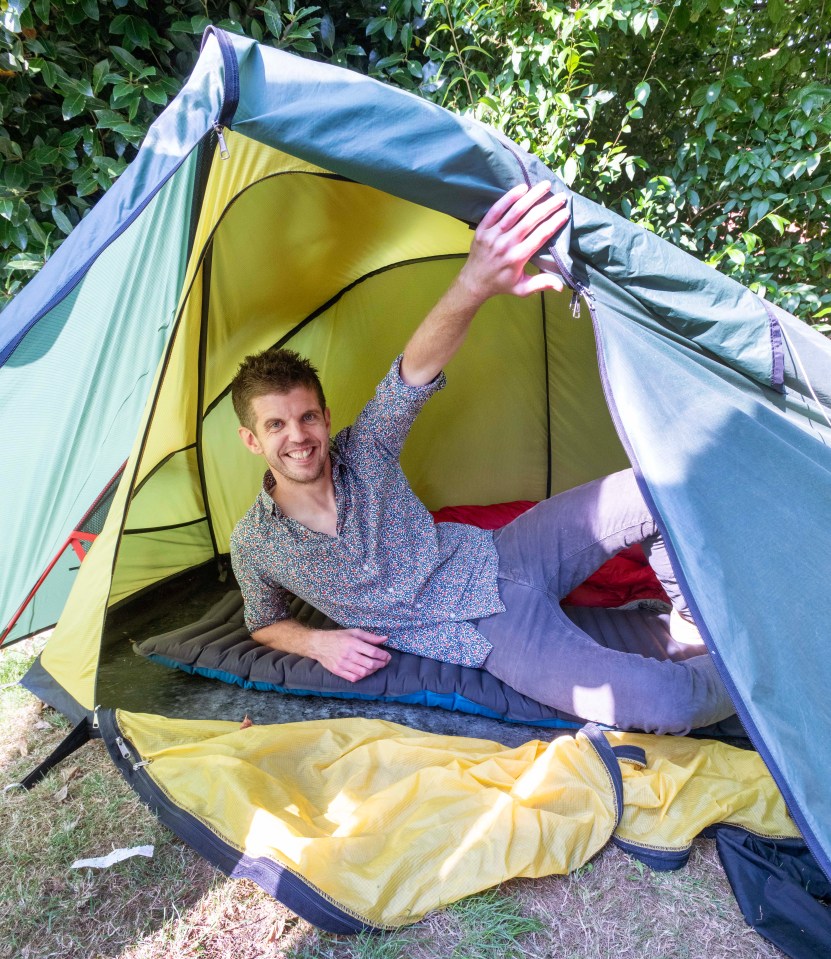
pixel 302 454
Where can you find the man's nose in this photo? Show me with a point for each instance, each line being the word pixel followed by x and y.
pixel 297 432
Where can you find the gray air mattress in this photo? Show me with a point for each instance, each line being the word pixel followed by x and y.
pixel 218 646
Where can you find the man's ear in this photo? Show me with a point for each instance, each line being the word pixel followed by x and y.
pixel 327 417
pixel 250 440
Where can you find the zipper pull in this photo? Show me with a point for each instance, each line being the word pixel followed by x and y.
pixel 580 292
pixel 126 754
pixel 95 717
pixel 224 153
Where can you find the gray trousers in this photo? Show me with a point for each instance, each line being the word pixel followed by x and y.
pixel 543 555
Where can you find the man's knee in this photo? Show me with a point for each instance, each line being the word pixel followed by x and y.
pixel 691 695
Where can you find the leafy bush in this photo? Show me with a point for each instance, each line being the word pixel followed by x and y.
pixel 706 121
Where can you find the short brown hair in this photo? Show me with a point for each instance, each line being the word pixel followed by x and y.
pixel 272 371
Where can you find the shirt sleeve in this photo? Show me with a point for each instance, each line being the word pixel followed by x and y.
pixel 266 601
pixel 390 414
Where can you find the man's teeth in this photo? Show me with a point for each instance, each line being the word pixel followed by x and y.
pixel 300 454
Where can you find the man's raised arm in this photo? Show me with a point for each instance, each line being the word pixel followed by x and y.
pixel 510 233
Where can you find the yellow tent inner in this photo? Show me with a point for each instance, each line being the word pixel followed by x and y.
pixel 287 253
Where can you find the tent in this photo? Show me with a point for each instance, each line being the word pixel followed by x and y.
pixel 278 200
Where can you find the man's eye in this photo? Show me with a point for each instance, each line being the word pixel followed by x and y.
pixel 310 417
pixel 276 425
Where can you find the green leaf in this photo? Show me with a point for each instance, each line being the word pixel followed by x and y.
pixel 155 93
pixel 99 73
pixel 24 261
pixel 776 10
pixel 778 222
pixel 73 105
pixel 90 8
pixel 710 129
pixel 199 23
pixel 736 255
pixel 306 46
pixel 37 230
pixel 642 91
pixel 62 221
pixel 570 170
pixel 758 210
pixel 47 70
pixel 136 30
pixel 327 32
pixel 272 20
pixel 127 60
pixel 713 91
pixel 10 149
pixel 124 91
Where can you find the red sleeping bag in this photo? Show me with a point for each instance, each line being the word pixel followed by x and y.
pixel 623 579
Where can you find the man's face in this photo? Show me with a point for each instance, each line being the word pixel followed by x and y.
pixel 291 432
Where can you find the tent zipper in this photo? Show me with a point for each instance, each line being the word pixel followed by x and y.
pixel 224 152
pixel 579 293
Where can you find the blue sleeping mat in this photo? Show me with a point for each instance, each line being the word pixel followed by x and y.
pixel 218 646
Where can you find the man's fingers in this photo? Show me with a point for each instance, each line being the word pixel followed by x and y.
pixel 541 234
pixel 504 203
pixel 524 207
pixel 348 673
pixel 354 671
pixel 539 283
pixel 553 210
pixel 368 652
pixel 368 637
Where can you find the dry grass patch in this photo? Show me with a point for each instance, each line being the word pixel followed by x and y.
pixel 176 906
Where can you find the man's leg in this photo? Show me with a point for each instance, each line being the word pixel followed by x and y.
pixel 537 650
pixel 559 543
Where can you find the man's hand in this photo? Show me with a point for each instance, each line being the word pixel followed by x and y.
pixel 510 233
pixel 351 654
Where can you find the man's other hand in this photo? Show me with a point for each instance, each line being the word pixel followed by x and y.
pixel 511 232
pixel 351 654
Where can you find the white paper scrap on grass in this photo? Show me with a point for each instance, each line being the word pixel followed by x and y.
pixel 117 855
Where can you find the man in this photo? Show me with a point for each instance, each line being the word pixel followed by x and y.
pixel 339 526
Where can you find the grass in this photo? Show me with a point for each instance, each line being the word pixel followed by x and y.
pixel 176 906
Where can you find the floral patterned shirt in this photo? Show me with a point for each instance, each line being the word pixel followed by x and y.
pixel 390 569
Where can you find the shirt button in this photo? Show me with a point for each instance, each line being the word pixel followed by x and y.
pixel 365 568
pixel 390 589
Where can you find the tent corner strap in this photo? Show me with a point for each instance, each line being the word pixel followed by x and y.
pixel 80 734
